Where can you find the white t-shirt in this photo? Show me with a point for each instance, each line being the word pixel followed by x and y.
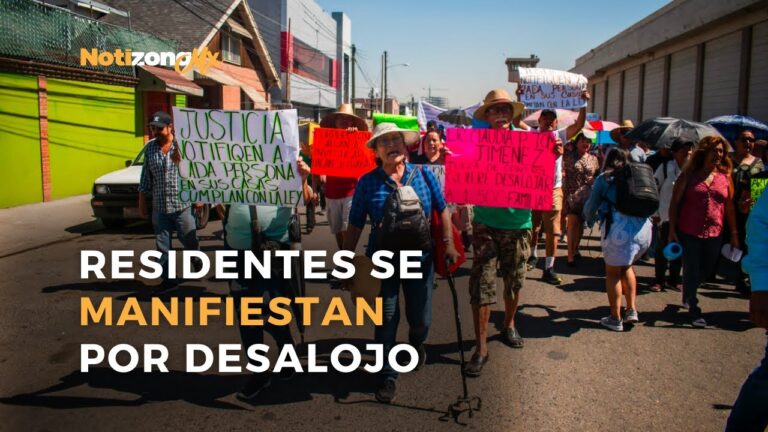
pixel 563 135
pixel 667 185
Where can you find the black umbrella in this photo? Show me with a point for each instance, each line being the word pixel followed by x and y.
pixel 660 132
pixel 456 116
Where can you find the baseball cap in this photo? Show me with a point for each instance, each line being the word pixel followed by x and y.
pixel 160 119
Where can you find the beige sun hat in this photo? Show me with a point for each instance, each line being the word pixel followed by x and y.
pixel 625 126
pixel 345 110
pixel 499 96
pixel 410 136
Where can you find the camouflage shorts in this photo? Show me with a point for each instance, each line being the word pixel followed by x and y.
pixel 505 250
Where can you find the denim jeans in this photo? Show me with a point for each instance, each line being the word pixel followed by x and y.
pixel 418 309
pixel 183 222
pixel 699 256
pixel 661 263
pixel 750 411
pixel 268 289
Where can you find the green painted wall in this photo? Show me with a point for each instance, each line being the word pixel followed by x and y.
pixel 19 140
pixel 92 131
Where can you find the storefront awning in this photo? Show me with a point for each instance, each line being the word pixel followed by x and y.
pixel 153 78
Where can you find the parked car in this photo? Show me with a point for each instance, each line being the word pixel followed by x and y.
pixel 116 196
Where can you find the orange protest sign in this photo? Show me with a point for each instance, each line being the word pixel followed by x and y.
pixel 340 153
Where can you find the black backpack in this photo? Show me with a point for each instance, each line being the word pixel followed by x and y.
pixel 403 225
pixel 637 193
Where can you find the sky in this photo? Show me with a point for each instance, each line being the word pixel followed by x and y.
pixel 458 48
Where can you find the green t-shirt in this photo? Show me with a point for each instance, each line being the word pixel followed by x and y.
pixel 503 218
pixel 273 222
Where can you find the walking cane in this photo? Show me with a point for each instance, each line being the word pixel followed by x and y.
pixel 465 402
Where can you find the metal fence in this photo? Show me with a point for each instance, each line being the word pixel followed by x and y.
pixel 47 34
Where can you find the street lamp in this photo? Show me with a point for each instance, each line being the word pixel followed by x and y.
pixel 386 84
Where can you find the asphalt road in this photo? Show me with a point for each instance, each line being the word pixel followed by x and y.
pixel 572 375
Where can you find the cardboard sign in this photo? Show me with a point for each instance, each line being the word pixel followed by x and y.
pixel 340 153
pixel 500 168
pixel 238 157
pixel 548 88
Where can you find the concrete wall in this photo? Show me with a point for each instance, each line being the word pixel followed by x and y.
pixel 713 65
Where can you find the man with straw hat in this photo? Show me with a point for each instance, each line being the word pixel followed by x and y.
pixel 618 135
pixel 549 220
pixel 339 190
pixel 501 241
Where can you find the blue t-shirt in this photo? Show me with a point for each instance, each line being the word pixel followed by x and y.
pixel 372 191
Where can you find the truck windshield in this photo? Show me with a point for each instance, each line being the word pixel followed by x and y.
pixel 139 158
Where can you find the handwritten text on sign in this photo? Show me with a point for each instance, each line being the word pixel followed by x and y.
pixel 246 157
pixel 547 88
pixel 500 168
pixel 340 153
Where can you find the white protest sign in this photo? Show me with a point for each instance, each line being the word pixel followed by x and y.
pixel 548 88
pixel 246 157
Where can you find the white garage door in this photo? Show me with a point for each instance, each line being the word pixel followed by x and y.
pixel 653 87
pixel 682 79
pixel 720 92
pixel 631 87
pixel 614 94
pixel 758 76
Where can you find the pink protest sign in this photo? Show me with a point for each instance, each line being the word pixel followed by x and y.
pixel 500 168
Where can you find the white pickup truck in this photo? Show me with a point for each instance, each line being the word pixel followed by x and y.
pixel 116 196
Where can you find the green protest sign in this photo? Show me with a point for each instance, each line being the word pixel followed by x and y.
pixel 238 157
pixel 756 187
pixel 403 122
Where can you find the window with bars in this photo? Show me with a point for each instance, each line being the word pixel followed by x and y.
pixel 230 48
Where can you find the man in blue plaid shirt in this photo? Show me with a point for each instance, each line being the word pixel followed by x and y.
pixel 160 177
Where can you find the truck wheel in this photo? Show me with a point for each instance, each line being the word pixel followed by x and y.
pixel 202 216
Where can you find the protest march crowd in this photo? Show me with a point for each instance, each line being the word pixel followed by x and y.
pixel 686 200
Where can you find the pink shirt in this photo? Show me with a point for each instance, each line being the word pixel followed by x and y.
pixel 703 210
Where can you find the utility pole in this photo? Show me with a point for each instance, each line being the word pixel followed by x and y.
pixel 381 89
pixel 371 104
pixel 386 83
pixel 353 76
pixel 290 64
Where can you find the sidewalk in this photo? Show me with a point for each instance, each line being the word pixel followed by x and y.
pixel 31 226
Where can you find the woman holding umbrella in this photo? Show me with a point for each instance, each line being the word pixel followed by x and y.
pixel 746 166
pixel 702 201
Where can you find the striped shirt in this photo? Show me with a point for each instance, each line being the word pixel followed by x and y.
pixel 160 177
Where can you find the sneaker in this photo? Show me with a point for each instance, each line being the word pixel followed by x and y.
pixel 386 393
pixel 549 276
pixel 611 323
pixel 422 357
pixel 513 338
pixel 254 386
pixel 532 263
pixel 630 316
pixel 475 365
pixel 656 287
pixel 686 305
pixel 699 322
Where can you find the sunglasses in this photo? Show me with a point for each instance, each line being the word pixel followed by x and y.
pixel 747 140
pixel 154 128
pixel 501 109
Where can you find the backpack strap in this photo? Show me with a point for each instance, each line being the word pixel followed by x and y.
pixel 411 176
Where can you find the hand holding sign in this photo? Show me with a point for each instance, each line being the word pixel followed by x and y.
pixel 500 168
pixel 550 89
pixel 341 153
